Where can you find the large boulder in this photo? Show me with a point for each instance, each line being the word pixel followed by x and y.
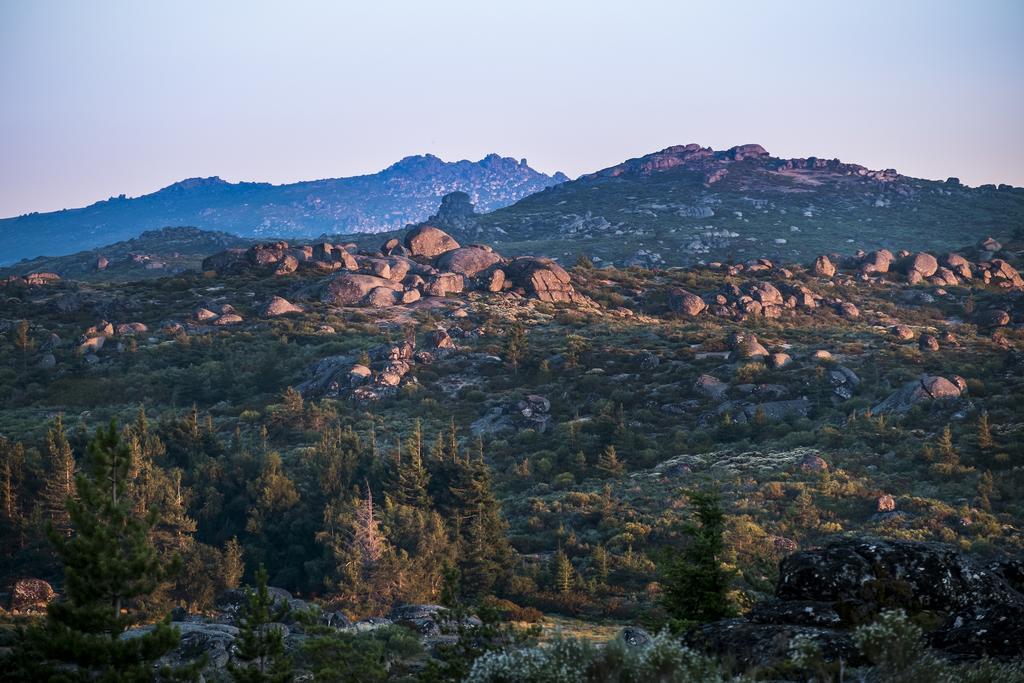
pixel 279 306
pixel 711 386
pixel 927 388
pixel 823 594
pixel 444 284
pixel 30 595
pixel 353 289
pixel 984 612
pixel 922 263
pixel 745 346
pixel 994 317
pixel 468 261
pixel 823 266
pixel 877 262
pixel 427 241
pixel 686 303
pixel 542 278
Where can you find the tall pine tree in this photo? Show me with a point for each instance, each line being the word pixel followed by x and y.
pixel 109 563
pixel 695 586
pixel 260 643
pixel 59 486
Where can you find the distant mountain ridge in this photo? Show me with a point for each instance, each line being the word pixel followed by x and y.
pixel 405 192
pixel 690 203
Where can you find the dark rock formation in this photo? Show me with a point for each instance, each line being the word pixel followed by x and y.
pixel 928 388
pixel 823 594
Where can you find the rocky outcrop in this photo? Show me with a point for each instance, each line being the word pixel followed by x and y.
pixel 685 303
pixel 354 289
pixel 468 261
pixel 531 412
pixel 711 387
pixel 927 388
pixel 919 266
pixel 823 594
pixel 543 279
pixel 426 241
pixel 823 267
pixel 745 346
pixel 30 596
pixel 279 306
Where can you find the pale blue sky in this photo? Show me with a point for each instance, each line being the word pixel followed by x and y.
pixel 103 97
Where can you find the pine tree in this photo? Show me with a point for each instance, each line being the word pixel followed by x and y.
pixel 59 485
pixel 515 346
pixel 563 572
pixel 260 643
pixel 367 538
pixel 11 514
pixel 986 487
pixel 985 440
pixel 109 563
pixel 600 563
pixel 484 552
pixel 947 452
pixel 609 462
pixel 694 583
pixel 23 341
pixel 234 563
pixel 413 478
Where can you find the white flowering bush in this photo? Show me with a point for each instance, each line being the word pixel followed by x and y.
pixel 566 659
pixel 663 660
pixel 895 646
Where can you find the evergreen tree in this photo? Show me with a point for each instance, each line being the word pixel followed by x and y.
pixel 413 478
pixel 11 514
pixel 600 563
pixel 23 341
pixel 515 346
pixel 260 643
pixel 109 563
pixel 985 440
pixel 563 572
pixel 986 487
pixel 694 583
pixel 485 555
pixel 60 478
pixel 947 452
pixel 609 462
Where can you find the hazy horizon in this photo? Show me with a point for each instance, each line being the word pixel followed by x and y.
pixel 113 97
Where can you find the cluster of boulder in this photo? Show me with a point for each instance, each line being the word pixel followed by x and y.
pixel 823 594
pixel 427 262
pixel 950 269
pixel 531 412
pixel 280 258
pixel 756 298
pixel 430 263
pixel 95 337
pixel 32 279
pixel 226 314
pixel 388 370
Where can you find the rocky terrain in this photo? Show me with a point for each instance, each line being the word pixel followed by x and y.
pixel 405 192
pixel 859 412
pixel 691 204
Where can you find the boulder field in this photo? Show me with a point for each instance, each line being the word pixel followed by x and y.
pixel 428 262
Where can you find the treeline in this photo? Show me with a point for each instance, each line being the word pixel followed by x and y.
pixel 345 519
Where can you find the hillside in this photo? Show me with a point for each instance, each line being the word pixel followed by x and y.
pixel 403 193
pixel 154 253
pixel 567 412
pixel 689 204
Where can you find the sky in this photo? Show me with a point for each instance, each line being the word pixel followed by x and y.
pixel 105 97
